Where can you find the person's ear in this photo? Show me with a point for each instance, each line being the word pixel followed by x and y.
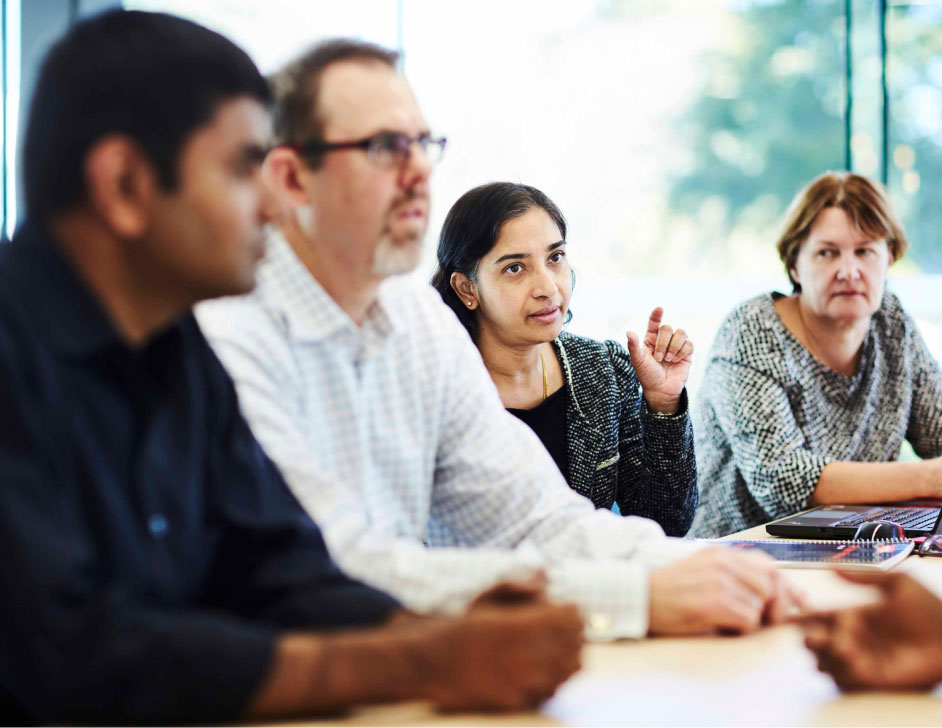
pixel 793 275
pixel 120 185
pixel 283 172
pixel 464 289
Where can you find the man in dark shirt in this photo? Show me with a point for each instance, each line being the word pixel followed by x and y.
pixel 154 566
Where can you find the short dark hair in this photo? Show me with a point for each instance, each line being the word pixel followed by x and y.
pixel 471 230
pixel 151 76
pixel 296 88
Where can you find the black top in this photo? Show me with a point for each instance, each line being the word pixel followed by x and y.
pixel 149 550
pixel 548 421
pixel 619 451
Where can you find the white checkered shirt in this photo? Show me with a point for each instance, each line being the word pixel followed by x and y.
pixel 394 439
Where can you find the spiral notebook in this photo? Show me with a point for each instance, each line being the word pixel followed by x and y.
pixel 851 555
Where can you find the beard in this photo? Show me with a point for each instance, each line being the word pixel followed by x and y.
pixel 393 259
pixel 399 250
pixel 396 257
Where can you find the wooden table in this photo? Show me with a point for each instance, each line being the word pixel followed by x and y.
pixel 766 679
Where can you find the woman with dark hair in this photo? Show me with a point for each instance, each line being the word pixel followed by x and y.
pixel 503 270
pixel 808 397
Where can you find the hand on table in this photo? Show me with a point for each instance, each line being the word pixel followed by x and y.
pixel 719 590
pixel 662 362
pixel 530 590
pixel 893 644
pixel 510 650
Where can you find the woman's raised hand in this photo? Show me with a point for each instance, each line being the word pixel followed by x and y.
pixel 662 362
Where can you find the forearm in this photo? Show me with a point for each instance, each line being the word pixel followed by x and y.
pixel 658 476
pixel 850 482
pixel 312 674
pixel 665 493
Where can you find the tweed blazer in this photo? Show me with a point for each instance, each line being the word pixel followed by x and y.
pixel 619 451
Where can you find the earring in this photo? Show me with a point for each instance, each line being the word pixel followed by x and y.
pixel 470 302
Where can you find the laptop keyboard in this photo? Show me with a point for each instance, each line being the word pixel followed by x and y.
pixel 908 518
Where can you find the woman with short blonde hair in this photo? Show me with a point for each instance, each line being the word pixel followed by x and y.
pixel 807 397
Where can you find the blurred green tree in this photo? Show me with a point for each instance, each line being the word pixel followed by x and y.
pixel 914 39
pixel 770 115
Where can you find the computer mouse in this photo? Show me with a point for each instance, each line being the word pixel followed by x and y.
pixel 876 530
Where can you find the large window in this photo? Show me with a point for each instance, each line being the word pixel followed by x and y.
pixel 9 104
pixel 672 134
pixel 914 143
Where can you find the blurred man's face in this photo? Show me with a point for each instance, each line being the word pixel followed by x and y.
pixel 206 235
pixel 373 217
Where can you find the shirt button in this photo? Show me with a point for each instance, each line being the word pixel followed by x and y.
pixel 157 524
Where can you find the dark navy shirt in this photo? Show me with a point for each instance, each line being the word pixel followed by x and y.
pixel 149 550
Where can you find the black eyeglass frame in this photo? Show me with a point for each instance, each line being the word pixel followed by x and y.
pixel 931 541
pixel 370 145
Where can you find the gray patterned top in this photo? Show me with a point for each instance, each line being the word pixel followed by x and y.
pixel 771 416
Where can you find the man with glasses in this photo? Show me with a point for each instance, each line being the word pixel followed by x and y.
pixel 155 568
pixel 374 403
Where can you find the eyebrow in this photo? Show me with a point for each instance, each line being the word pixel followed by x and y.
pixel 385 130
pixel 856 245
pixel 521 256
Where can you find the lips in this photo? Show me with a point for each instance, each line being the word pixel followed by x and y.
pixel 545 315
pixel 414 210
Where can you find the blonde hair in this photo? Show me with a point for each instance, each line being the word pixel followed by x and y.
pixel 865 202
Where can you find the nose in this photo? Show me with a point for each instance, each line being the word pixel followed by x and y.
pixel 848 266
pixel 544 284
pixel 417 168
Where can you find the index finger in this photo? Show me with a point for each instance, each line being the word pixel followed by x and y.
pixel 869 578
pixel 788 604
pixel 514 591
pixel 814 620
pixel 654 326
pixel 758 572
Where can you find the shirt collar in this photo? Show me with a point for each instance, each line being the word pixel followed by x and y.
pixel 62 307
pixel 310 312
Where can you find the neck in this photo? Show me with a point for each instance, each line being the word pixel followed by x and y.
pixel 509 362
pixel 352 287
pixel 517 370
pixel 836 343
pixel 137 306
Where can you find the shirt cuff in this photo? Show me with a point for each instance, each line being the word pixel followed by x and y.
pixel 611 594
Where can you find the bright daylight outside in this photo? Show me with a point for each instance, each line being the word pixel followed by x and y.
pixel 671 133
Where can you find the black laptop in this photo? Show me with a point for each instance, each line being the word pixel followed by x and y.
pixel 842 521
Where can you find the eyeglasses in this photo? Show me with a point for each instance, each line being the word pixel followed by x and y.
pixel 932 546
pixel 386 149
